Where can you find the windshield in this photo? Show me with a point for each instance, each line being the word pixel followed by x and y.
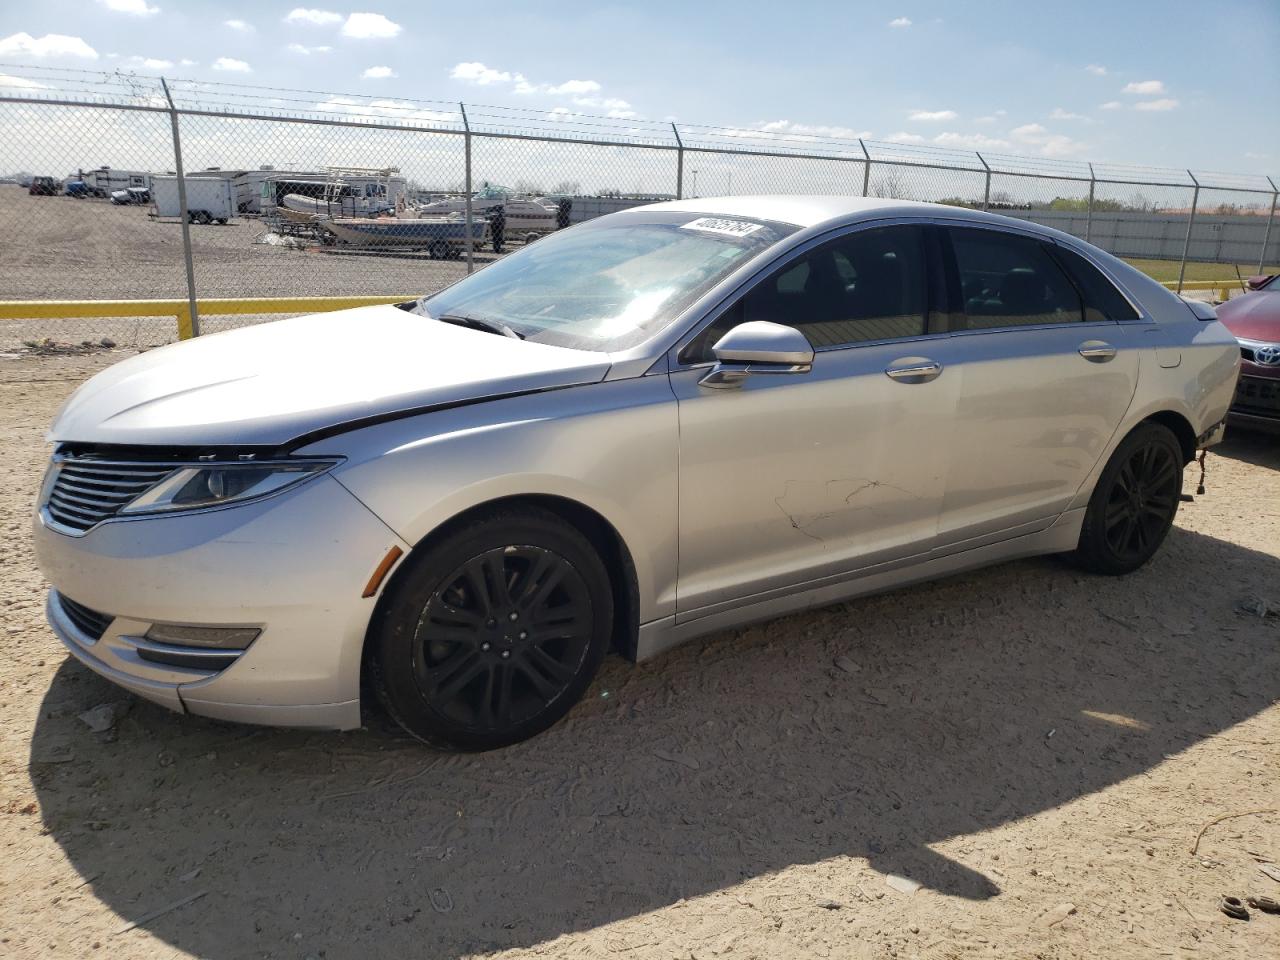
pixel 608 284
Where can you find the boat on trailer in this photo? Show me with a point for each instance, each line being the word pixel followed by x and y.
pixel 522 215
pixel 442 237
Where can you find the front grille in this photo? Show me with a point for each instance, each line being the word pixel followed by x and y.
pixel 1257 395
pixel 85 491
pixel 89 622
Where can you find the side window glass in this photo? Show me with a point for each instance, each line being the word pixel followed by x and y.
pixel 1007 280
pixel 869 285
pixel 1102 301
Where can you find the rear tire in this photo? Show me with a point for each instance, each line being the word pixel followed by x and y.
pixel 491 634
pixel 1134 503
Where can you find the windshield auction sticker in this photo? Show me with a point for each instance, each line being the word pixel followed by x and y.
pixel 732 228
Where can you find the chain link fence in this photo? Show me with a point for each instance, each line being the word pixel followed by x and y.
pixel 290 194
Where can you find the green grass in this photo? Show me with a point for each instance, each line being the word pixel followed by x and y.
pixel 1166 271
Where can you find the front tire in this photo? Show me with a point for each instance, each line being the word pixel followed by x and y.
pixel 1134 503
pixel 491 634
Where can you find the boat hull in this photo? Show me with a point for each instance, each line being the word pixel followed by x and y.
pixel 421 233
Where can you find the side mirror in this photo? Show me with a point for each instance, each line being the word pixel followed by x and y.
pixel 1256 283
pixel 758 347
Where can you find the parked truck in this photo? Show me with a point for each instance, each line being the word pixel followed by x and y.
pixel 208 198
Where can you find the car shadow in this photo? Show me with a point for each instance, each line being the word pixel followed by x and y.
pixel 872 729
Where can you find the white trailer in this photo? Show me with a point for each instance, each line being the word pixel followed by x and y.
pixel 208 198
pixel 106 180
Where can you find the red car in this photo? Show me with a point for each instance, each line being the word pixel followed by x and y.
pixel 1254 318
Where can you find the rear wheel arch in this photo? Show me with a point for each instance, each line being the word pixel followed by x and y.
pixel 1180 427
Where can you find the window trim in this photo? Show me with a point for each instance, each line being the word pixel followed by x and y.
pixel 1142 315
pixel 675 362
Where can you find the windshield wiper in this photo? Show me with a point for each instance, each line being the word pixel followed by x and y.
pixel 475 323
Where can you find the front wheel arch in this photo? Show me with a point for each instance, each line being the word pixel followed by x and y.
pixel 603 536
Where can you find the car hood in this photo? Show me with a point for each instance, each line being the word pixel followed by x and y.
pixel 275 382
pixel 1253 316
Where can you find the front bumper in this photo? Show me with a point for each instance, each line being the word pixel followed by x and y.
pixel 1256 405
pixel 293 566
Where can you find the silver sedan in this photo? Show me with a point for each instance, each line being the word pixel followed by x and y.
pixel 660 423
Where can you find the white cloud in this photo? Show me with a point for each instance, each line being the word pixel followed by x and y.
pixel 378 73
pixel 135 8
pixel 932 115
pixel 304 50
pixel 1060 114
pixel 1046 143
pixel 1249 154
pixel 1111 105
pixel 1096 69
pixel 22 83
pixel 607 103
pixel 970 141
pixel 903 137
pixel 810 131
pixel 151 63
pixel 241 25
pixel 50 45
pixel 1159 106
pixel 989 118
pixel 479 74
pixel 522 86
pixel 900 22
pixel 369 26
pixel 575 87
pixel 231 65
pixel 1144 87
pixel 622 114
pixel 184 62
pixel 318 18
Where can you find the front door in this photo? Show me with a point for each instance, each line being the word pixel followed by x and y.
pixel 795 478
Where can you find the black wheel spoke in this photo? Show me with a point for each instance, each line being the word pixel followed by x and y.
pixel 464 670
pixel 478 586
pixel 503 637
pixel 550 666
pixel 495 569
pixel 545 686
pixel 1116 513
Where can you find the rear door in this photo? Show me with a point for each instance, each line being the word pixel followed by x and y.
pixel 1046 378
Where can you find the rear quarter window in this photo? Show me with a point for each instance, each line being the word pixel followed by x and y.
pixel 1102 301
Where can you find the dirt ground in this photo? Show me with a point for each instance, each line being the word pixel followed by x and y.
pixel 1039 749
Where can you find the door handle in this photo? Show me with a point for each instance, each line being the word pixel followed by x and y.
pixel 1097 351
pixel 914 370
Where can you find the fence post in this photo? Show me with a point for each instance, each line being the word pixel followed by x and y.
pixel 466 150
pixel 866 167
pixel 679 163
pixel 986 192
pixel 188 325
pixel 1088 218
pixel 1186 243
pixel 1266 236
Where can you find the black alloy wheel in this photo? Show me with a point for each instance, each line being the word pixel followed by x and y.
pixel 503 636
pixel 1135 502
pixel 492 630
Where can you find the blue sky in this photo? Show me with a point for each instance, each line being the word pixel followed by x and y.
pixel 1169 83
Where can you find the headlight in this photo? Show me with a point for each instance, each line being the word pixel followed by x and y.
pixel 212 485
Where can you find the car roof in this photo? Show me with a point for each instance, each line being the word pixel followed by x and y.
pixel 811 210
